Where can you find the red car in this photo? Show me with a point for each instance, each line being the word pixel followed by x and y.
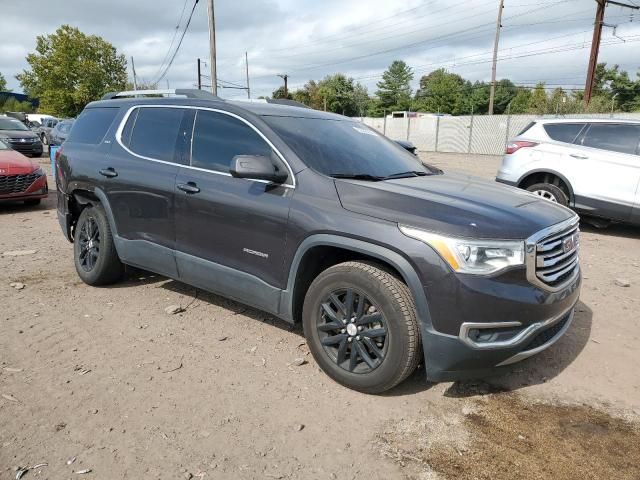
pixel 20 178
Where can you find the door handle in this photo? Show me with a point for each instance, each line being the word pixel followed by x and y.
pixel 578 156
pixel 108 172
pixel 189 187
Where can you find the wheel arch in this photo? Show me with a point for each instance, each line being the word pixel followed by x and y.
pixel 308 262
pixel 541 175
pixel 80 198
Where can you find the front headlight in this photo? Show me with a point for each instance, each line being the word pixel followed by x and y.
pixel 39 172
pixel 480 257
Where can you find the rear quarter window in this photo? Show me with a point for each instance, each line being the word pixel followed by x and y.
pixel 92 125
pixel 563 132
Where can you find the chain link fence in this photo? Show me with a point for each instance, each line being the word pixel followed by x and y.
pixel 478 134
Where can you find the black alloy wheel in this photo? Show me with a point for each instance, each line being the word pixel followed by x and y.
pixel 353 331
pixel 89 238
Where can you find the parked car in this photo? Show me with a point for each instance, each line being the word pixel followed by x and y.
pixel 60 132
pixel 316 218
pixel 592 166
pixel 38 117
pixel 47 125
pixel 18 136
pixel 20 178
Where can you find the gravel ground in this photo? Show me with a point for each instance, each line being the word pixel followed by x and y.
pixel 105 376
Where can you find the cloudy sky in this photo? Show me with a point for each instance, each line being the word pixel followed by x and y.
pixel 542 40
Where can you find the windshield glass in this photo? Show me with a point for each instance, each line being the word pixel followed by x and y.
pixel 7 123
pixel 344 148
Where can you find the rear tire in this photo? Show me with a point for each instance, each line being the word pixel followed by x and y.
pixel 550 192
pixel 94 251
pixel 380 344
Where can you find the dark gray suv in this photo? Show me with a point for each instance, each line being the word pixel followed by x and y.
pixel 316 218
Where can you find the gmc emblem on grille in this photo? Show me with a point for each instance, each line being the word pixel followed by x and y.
pixel 23 140
pixel 569 243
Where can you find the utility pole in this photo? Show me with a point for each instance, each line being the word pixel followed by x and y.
pixel 199 76
pixel 285 77
pixel 246 62
pixel 595 44
pixel 212 46
pixel 135 80
pixel 492 95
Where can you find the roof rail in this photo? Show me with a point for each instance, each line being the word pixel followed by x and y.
pixel 184 92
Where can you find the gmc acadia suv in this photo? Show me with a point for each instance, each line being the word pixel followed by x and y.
pixel 316 218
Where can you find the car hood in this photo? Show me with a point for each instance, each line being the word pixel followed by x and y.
pixel 453 204
pixel 14 163
pixel 18 134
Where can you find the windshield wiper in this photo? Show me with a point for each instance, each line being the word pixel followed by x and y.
pixel 411 173
pixel 357 176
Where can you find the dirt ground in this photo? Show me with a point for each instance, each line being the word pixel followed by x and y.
pixel 106 377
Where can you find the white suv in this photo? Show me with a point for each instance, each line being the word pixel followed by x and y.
pixel 592 166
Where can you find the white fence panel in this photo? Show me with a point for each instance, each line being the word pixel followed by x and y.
pixel 480 134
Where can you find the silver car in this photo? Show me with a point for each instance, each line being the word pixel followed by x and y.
pixel 592 166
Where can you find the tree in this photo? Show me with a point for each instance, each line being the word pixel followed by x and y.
pixel 70 69
pixel 279 93
pixel 521 102
pixel 310 95
pixel 506 91
pixel 394 90
pixel 441 92
pixel 3 83
pixel 337 92
pixel 538 102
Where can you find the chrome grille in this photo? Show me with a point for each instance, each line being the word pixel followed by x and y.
pixel 16 183
pixel 552 255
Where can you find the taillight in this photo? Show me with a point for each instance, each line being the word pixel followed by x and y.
pixel 513 147
pixel 56 159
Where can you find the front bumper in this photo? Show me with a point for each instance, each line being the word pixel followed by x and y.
pixel 478 323
pixel 38 189
pixel 452 359
pixel 33 149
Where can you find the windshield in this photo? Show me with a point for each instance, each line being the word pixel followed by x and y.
pixel 344 148
pixel 7 123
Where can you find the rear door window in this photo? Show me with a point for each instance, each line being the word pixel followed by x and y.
pixel 564 132
pixel 218 137
pixel 157 133
pixel 92 125
pixel 616 137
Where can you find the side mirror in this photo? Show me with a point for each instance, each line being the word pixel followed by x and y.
pixel 257 167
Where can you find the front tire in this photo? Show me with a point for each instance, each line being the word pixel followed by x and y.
pixel 550 192
pixel 361 326
pixel 33 202
pixel 94 251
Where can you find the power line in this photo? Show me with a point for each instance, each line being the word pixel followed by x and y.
pixel 418 43
pixel 184 32
pixel 173 38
